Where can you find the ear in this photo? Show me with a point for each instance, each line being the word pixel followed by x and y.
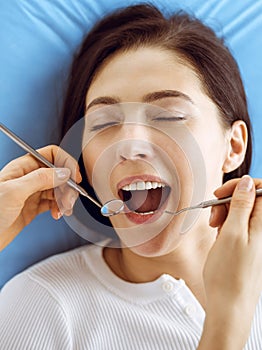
pixel 237 145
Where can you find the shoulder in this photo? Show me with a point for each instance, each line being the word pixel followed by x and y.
pixel 42 298
pixel 59 274
pixel 67 262
pixel 65 270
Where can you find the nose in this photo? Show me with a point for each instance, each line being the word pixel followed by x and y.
pixel 139 146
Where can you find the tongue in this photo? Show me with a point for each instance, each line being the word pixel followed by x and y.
pixel 145 201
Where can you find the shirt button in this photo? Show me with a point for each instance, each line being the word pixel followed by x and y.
pixel 167 286
pixel 190 309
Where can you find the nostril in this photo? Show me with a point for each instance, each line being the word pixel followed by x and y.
pixel 134 149
pixel 141 155
pixel 136 156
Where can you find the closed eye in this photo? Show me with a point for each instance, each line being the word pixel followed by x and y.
pixel 170 118
pixel 103 126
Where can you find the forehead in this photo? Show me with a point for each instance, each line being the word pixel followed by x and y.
pixel 132 74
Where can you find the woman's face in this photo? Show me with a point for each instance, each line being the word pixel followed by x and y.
pixel 153 138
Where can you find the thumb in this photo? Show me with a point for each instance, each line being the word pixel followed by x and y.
pixel 241 206
pixel 42 179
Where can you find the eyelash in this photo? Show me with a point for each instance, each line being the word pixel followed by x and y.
pixel 102 126
pixel 172 118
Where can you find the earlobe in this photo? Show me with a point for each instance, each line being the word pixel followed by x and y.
pixel 237 145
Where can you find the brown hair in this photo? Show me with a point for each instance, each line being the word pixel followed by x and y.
pixel 186 36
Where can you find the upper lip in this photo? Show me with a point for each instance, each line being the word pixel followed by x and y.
pixel 145 177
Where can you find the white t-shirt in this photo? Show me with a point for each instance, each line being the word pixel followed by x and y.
pixel 74 301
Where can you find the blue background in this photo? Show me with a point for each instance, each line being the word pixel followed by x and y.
pixel 37 43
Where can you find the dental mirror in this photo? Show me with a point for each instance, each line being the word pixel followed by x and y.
pixel 112 207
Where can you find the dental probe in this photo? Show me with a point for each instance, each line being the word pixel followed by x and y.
pixel 106 211
pixel 209 203
pixel 43 160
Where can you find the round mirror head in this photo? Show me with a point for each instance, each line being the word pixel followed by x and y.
pixel 112 207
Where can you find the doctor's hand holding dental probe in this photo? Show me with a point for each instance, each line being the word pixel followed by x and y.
pixel 27 189
pixel 233 270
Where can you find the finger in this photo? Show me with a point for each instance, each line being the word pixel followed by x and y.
pixel 258 210
pixel 241 206
pixel 48 194
pixel 218 215
pixel 48 205
pixel 71 164
pixel 256 219
pixel 69 199
pixel 27 163
pixel 55 212
pixel 61 210
pixel 66 198
pixel 58 191
pixel 65 160
pixel 226 189
pixel 38 180
pixel 44 205
pixel 68 212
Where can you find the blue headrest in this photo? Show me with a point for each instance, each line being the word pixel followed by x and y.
pixel 37 43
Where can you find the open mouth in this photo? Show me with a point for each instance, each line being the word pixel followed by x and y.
pixel 144 197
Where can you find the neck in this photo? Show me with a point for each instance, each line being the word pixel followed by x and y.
pixel 185 262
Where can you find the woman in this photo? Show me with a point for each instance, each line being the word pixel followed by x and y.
pixel 153 91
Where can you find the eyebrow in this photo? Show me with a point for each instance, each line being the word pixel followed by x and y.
pixel 151 97
pixel 158 95
pixel 105 100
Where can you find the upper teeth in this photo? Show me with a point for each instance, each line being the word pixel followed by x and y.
pixel 143 185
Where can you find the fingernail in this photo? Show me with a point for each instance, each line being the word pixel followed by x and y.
pixel 72 201
pixel 211 216
pixel 59 215
pixel 245 184
pixel 62 173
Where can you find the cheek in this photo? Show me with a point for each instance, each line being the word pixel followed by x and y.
pixel 213 146
pixel 90 154
pixel 183 166
pixel 93 150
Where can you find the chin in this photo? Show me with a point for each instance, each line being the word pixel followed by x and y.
pixel 160 245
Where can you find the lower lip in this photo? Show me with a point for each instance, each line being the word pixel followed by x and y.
pixel 145 219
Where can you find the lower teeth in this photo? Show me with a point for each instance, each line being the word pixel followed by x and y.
pixel 148 213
